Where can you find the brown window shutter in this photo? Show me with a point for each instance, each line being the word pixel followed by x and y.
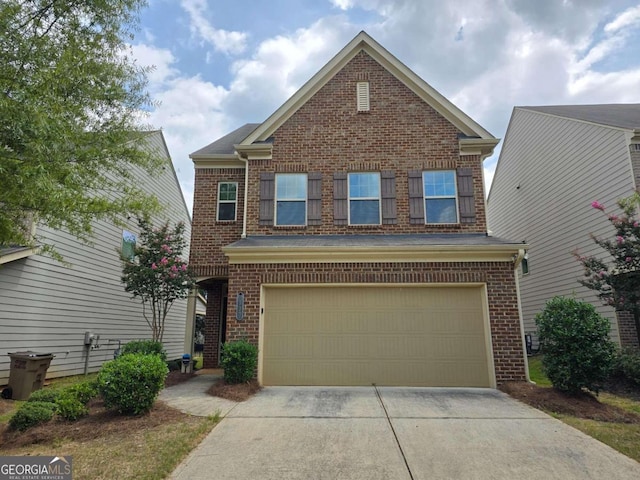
pixel 466 198
pixel 340 199
pixel 314 199
pixel 416 197
pixel 267 194
pixel 388 190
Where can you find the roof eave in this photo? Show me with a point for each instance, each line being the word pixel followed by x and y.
pixel 342 254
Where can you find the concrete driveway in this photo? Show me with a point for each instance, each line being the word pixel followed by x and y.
pixel 397 433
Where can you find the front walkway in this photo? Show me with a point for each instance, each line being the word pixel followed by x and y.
pixel 191 396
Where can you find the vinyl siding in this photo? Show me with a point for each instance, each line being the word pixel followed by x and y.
pixel 47 306
pixel 560 166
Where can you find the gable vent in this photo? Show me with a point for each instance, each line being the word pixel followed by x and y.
pixel 362 92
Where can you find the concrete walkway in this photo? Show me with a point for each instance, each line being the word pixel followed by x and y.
pixel 191 397
pixel 394 433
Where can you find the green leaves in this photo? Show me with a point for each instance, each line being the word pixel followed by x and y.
pixel 72 104
pixel 616 278
pixel 576 345
pixel 158 276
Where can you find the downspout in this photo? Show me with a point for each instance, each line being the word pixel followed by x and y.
pixel 516 263
pixel 246 195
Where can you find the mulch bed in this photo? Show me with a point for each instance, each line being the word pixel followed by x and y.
pixel 237 392
pixel 99 423
pixel 175 377
pixel 583 405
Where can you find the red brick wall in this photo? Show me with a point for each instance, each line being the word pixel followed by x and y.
pixel 208 236
pixel 499 277
pixel 627 329
pixel 399 133
pixel 212 326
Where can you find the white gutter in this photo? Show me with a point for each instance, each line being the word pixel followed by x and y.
pixel 246 195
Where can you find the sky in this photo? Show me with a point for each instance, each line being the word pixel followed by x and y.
pixel 219 64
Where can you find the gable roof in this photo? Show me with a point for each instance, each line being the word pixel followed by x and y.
pixel 363 42
pixel 613 115
pixel 224 145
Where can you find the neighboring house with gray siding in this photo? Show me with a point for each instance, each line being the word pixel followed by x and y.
pixel 46 306
pixel 555 161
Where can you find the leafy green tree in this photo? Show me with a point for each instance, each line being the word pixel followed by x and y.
pixel 158 275
pixel 616 278
pixel 71 103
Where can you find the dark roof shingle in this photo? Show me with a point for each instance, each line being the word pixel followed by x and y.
pixel 225 144
pixel 623 115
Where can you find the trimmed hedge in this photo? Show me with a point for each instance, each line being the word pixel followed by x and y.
pixel 144 347
pixel 131 382
pixel 239 360
pixel 31 414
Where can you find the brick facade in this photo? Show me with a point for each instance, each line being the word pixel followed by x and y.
pixel 627 329
pixel 212 321
pixel 327 135
pixel 499 278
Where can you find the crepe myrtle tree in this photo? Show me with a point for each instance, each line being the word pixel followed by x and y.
pixel 616 278
pixel 157 275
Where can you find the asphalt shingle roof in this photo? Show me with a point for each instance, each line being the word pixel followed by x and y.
pixel 625 115
pixel 297 241
pixel 225 144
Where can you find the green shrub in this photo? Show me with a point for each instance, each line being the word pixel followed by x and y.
pixel 239 360
pixel 131 382
pixel 31 414
pixel 627 364
pixel 69 407
pixel 83 391
pixel 48 395
pixel 575 340
pixel 145 347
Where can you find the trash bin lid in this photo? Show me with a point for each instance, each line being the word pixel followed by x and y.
pixel 30 354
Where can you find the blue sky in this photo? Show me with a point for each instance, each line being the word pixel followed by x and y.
pixel 220 63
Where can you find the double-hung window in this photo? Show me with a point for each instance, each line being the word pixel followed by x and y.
pixel 364 198
pixel 227 201
pixel 440 196
pixel 291 199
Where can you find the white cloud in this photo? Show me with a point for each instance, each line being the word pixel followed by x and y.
pixel 342 4
pixel 629 17
pixel 225 41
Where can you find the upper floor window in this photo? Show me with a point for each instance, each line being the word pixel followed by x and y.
pixel 364 198
pixel 291 199
pixel 440 196
pixel 227 200
pixel 128 248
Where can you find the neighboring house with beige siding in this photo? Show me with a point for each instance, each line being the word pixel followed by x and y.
pixel 346 236
pixel 555 161
pixel 46 306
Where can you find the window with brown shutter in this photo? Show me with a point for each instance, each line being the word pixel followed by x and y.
pixel 267 195
pixel 466 197
pixel 314 203
pixel 388 193
pixel 416 197
pixel 340 199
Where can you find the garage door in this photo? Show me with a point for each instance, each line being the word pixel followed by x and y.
pixel 410 336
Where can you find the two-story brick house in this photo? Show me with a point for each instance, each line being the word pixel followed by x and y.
pixel 346 236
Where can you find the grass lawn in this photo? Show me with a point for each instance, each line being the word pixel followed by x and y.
pixel 107 446
pixel 624 437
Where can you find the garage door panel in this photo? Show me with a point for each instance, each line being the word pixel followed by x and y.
pixel 384 335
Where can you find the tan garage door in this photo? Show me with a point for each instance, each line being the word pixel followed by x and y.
pixel 412 336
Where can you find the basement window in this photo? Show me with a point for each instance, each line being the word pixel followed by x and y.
pixel 362 94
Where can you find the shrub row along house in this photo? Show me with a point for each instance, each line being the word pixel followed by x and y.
pixel 80 311
pixel 556 161
pixel 346 236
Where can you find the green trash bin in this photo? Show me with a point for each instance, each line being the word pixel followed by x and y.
pixel 27 373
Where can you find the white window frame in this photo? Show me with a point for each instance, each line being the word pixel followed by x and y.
pixel 276 199
pixel 441 197
pixel 235 210
pixel 378 198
